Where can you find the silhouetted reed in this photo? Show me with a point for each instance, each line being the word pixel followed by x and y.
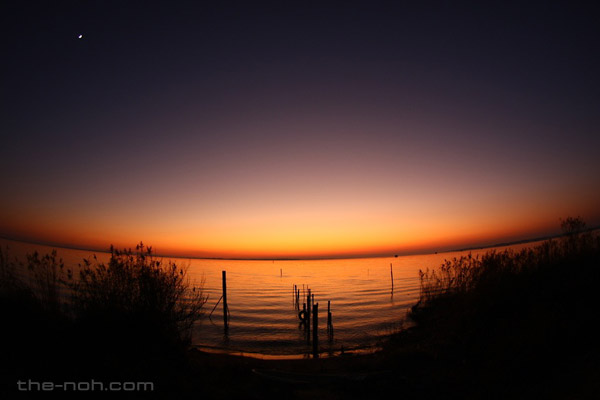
pixel 40 280
pixel 489 272
pixel 137 285
pixel 127 318
pixel 515 316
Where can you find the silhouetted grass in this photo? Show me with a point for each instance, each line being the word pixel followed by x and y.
pixel 138 286
pixel 466 275
pixel 129 319
pixel 515 319
pixel 571 258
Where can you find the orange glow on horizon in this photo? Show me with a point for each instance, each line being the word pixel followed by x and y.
pixel 307 240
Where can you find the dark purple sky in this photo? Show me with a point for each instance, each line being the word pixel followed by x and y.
pixel 245 128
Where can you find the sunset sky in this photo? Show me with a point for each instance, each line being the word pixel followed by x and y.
pixel 297 129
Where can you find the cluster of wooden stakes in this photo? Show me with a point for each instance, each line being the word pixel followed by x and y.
pixel 311 309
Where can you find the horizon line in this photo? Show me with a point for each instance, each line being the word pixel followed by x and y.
pixel 387 255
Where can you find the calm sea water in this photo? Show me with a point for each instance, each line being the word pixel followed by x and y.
pixel 260 294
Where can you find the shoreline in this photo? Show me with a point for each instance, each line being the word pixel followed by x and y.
pixel 279 357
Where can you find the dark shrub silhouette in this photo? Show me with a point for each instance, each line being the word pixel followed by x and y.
pixel 128 319
pixel 512 320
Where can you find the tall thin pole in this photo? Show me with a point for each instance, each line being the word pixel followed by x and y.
pixel 225 309
pixel 329 330
pixel 308 312
pixel 392 275
pixel 316 330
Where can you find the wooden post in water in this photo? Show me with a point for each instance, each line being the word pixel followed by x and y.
pixel 295 299
pixel 329 324
pixel 316 330
pixel 392 275
pixel 225 309
pixel 308 312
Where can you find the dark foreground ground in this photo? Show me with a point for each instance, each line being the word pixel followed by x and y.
pixel 405 372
